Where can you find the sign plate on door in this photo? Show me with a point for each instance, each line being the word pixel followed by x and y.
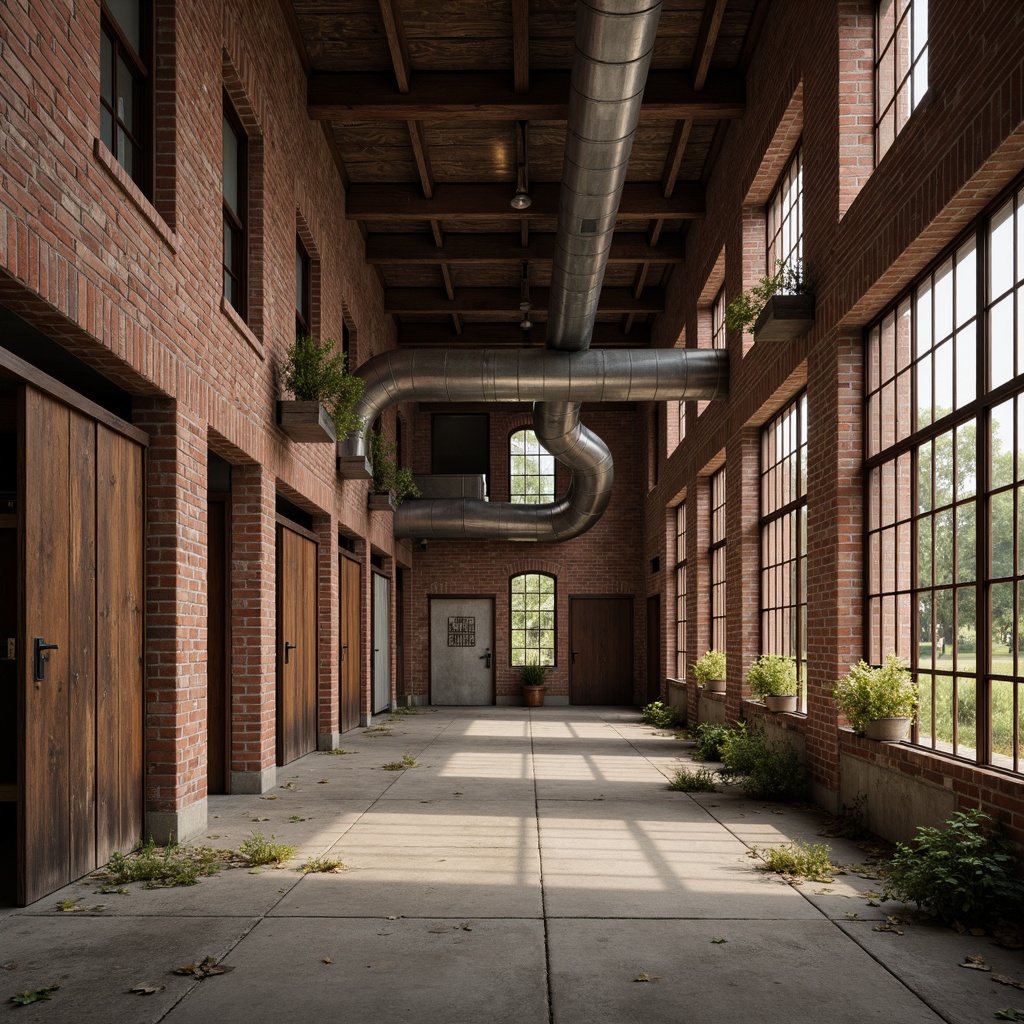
pixel 462 631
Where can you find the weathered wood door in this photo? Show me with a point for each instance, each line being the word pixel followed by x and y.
pixel 601 650
pixel 81 794
pixel 296 645
pixel 654 647
pixel 381 630
pixel 348 623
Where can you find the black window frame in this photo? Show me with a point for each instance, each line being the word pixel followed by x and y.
pixel 236 221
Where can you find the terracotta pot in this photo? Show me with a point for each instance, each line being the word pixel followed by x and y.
pixel 780 702
pixel 715 686
pixel 890 730
pixel 533 696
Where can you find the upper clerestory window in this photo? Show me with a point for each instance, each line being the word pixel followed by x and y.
pixel 125 87
pixel 901 67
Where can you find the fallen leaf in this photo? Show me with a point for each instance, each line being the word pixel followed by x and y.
pixel 392 917
pixel 263 818
pixel 1009 1014
pixel 147 988
pixel 291 786
pixel 1004 980
pixel 975 962
pixel 718 942
pixel 977 932
pixel 203 968
pixel 9 966
pixel 852 916
pixel 642 976
pixel 323 782
pixel 37 996
pixel 268 798
pixel 327 960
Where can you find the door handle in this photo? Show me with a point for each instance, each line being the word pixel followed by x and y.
pixel 486 658
pixel 574 653
pixel 39 659
pixel 288 648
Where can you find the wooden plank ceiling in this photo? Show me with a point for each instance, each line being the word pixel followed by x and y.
pixel 435 107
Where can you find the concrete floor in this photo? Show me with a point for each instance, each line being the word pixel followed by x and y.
pixel 530 869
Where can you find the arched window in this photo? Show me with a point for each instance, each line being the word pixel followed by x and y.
pixel 531 470
pixel 532 619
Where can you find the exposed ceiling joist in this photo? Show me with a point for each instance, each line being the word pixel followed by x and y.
pixel 496 335
pixel 429 302
pixel 521 45
pixel 707 36
pixel 395 32
pixel 360 97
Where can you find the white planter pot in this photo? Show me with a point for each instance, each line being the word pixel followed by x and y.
pixel 715 686
pixel 780 702
pixel 890 730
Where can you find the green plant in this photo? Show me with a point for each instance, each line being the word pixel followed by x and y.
pixel 387 477
pixel 768 770
pixel 744 310
pixel 709 666
pixel 257 849
pixel 772 675
pixel 33 996
pixel 408 761
pixel 885 692
pixel 963 873
pixel 662 717
pixel 710 739
pixel 163 867
pixel 799 860
pixel 321 865
pixel 533 675
pixel 700 781
pixel 313 374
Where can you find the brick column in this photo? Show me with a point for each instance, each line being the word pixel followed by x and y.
pixel 253 631
pixel 742 563
pixel 175 620
pixel 835 544
pixel 328 717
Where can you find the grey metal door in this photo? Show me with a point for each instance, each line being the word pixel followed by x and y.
pixel 462 651
pixel 381 643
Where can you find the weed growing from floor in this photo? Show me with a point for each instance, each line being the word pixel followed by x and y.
pixel 408 761
pixel 768 770
pixel 377 730
pixel 710 739
pixel 163 867
pixel 336 750
pixel 321 865
pixel 798 860
pixel 661 716
pixel 257 849
pixel 700 781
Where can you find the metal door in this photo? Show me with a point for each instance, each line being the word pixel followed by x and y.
pixel 462 651
pixel 381 643
pixel 348 619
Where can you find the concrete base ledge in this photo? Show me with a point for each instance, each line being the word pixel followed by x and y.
pixel 180 826
pixel 328 740
pixel 254 782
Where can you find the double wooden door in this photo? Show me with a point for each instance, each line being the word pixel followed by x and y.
pixel 80 647
pixel 296 644
pixel 601 650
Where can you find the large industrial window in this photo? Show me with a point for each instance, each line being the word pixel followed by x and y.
pixel 125 97
pixel 784 537
pixel 945 393
pixel 681 591
pixel 717 555
pixel 531 470
pixel 718 320
pixel 901 66
pixel 303 290
pixel 532 619
pixel 784 220
pixel 236 186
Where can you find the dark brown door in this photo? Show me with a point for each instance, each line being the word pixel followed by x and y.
pixel 218 674
pixel 348 621
pixel 601 650
pixel 654 647
pixel 296 645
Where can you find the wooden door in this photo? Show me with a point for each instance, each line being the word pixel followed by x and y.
pixel 296 645
pixel 348 623
pixel 218 673
pixel 381 629
pixel 654 647
pixel 601 650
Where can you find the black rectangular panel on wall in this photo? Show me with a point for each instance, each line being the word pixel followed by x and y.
pixel 460 443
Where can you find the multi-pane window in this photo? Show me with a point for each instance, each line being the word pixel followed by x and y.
pixel 945 383
pixel 784 537
pixel 303 289
pixel 784 220
pixel 717 558
pixel 532 617
pixel 718 320
pixel 531 470
pixel 901 66
pixel 236 185
pixel 681 591
pixel 125 104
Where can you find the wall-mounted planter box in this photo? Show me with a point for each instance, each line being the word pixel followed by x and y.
pixel 308 422
pixel 380 502
pixel 785 318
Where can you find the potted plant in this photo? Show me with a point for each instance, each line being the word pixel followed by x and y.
pixel 879 702
pixel 390 485
pixel 533 678
pixel 772 679
pixel 325 393
pixel 709 671
pixel 780 307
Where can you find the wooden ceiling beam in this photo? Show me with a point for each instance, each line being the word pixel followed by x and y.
pixel 360 97
pixel 707 36
pixel 412 249
pixel 401 201
pixel 505 301
pixel 439 335
pixel 680 137
pixel 521 46
pixel 394 29
pixel 421 155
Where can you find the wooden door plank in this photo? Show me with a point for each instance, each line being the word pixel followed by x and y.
pixel 44 805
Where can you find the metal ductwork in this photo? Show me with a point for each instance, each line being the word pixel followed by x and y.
pixel 614 40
